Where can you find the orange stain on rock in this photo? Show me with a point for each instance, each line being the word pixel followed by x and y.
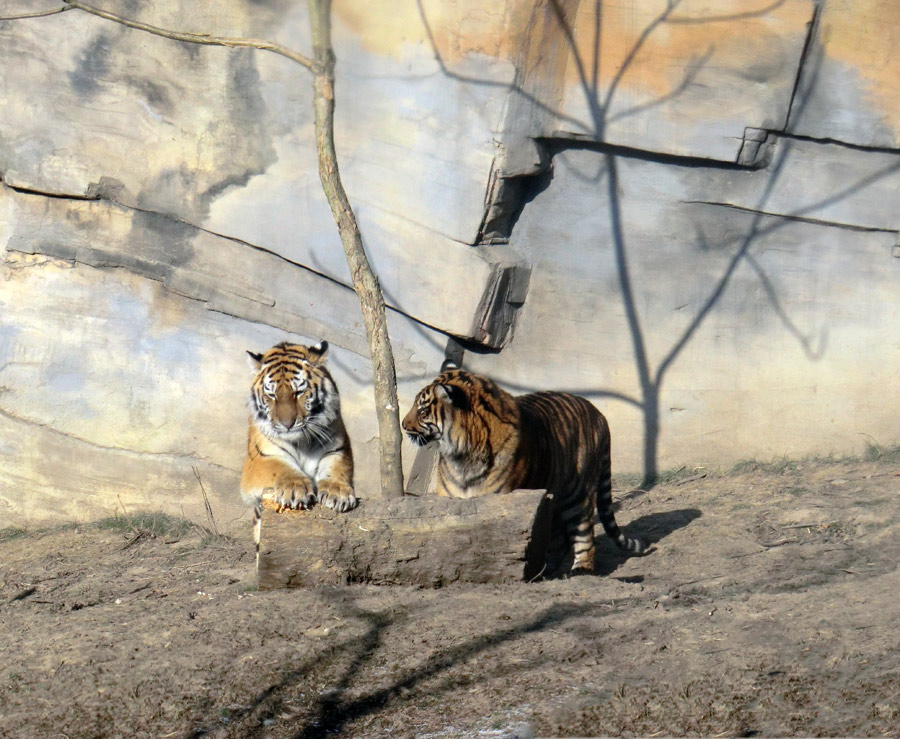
pixel 451 28
pixel 865 34
pixel 652 48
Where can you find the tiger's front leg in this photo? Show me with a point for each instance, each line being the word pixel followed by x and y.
pixel 267 478
pixel 334 482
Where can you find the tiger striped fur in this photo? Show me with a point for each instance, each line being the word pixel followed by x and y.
pixel 492 442
pixel 298 452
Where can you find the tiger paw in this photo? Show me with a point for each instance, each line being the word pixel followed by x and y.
pixel 337 495
pixel 290 491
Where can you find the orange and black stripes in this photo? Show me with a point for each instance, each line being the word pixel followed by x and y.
pixel 492 442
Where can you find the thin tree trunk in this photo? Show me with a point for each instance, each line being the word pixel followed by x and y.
pixel 365 282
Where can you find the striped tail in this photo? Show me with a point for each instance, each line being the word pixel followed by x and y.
pixel 608 519
pixel 257 527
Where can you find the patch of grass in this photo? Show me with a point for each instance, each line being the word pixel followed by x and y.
pixel 154 523
pixel 874 452
pixel 682 473
pixel 630 481
pixel 779 466
pixel 211 538
pixel 12 532
pixel 880 453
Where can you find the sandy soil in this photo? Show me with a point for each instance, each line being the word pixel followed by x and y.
pixel 769 606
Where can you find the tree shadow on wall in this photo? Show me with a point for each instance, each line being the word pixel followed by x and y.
pixel 599 97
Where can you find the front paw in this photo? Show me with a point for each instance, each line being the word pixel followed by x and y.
pixel 337 495
pixel 291 491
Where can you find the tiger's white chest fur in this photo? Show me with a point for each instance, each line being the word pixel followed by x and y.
pixel 311 457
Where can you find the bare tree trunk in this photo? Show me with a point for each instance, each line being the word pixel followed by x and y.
pixel 365 282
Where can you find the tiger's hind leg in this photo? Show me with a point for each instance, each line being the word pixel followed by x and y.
pixel 572 535
pixel 583 547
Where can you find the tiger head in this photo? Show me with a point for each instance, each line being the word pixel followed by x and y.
pixel 435 405
pixel 457 409
pixel 292 394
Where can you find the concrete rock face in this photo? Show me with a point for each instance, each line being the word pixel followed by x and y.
pixel 684 211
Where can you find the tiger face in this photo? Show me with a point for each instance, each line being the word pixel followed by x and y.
pixel 293 396
pixel 425 421
pixel 438 405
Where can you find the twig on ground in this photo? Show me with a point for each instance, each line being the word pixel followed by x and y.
pixel 692 478
pixel 209 513
pixel 780 542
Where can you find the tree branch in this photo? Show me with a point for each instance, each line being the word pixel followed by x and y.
pixel 195 38
pixel 39 14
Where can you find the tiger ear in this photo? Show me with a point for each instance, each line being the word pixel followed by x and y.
pixel 453 393
pixel 318 352
pixel 448 364
pixel 255 360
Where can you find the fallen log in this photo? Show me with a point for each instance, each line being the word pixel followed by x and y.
pixel 424 541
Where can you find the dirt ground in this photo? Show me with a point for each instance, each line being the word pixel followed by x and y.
pixel 769 606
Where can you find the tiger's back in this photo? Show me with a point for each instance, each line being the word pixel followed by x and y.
pixel 490 441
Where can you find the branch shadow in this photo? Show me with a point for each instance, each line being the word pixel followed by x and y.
pixel 335 708
pixel 335 712
pixel 586 65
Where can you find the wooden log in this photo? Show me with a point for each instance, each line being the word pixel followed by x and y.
pixel 423 541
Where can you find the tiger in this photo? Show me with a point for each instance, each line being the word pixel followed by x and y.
pixel 298 451
pixel 490 441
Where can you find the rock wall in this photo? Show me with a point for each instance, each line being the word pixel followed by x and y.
pixel 686 213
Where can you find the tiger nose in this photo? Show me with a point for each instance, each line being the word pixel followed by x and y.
pixel 285 421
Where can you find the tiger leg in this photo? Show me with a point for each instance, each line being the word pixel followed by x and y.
pixel 580 530
pixel 268 478
pixel 572 532
pixel 557 548
pixel 334 481
pixel 583 546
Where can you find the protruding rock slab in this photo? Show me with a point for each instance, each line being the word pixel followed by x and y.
pixel 421 541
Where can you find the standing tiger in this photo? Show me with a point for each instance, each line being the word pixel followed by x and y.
pixel 298 452
pixel 492 442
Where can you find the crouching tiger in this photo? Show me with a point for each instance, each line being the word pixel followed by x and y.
pixel 298 452
pixel 492 442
